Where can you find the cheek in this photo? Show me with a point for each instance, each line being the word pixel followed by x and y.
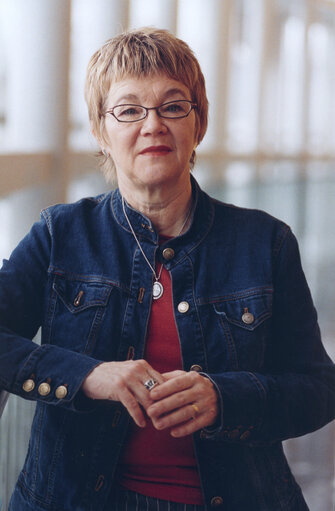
pixel 187 140
pixel 119 144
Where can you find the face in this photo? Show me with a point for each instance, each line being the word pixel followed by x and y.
pixel 154 151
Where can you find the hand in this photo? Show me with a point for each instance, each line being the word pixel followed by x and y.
pixel 124 382
pixel 185 402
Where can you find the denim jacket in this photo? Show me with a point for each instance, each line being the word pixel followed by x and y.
pixel 247 321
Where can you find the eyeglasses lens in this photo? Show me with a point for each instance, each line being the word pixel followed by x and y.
pixel 170 110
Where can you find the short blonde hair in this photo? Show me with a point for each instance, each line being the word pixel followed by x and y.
pixel 138 53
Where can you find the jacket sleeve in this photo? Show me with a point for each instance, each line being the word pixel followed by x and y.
pixel 24 364
pixel 294 394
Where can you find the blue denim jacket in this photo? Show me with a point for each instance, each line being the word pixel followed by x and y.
pixel 250 326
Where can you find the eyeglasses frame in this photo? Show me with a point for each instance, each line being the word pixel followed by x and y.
pixel 193 107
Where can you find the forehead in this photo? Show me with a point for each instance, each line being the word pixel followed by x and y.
pixel 146 90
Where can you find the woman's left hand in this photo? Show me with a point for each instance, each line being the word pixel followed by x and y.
pixel 185 402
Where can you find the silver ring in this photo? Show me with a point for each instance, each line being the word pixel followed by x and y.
pixel 150 384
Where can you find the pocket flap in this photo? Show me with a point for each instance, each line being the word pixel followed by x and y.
pixel 79 295
pixel 247 311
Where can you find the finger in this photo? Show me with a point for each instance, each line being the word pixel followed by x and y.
pixel 186 420
pixel 172 385
pixel 142 373
pixel 171 403
pixel 201 397
pixel 172 374
pixel 131 404
pixel 195 424
pixel 147 383
pixel 155 375
pixel 174 418
pixel 187 428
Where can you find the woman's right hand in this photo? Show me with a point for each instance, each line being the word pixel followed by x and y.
pixel 124 382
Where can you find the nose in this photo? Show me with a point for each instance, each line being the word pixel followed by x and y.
pixel 153 124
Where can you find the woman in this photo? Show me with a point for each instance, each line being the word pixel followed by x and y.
pixel 180 344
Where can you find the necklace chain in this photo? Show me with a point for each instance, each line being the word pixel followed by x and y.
pixel 157 277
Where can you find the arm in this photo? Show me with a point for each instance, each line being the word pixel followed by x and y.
pixel 50 373
pixel 22 290
pixel 295 392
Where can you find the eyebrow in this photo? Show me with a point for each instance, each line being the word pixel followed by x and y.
pixel 170 92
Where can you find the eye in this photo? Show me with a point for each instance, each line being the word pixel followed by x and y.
pixel 176 107
pixel 128 111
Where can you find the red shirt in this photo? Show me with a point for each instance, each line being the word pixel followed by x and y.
pixel 153 462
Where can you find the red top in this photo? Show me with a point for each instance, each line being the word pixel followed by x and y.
pixel 153 462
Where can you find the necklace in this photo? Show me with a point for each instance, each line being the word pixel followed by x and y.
pixel 157 287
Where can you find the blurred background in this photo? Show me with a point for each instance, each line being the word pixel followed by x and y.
pixel 270 73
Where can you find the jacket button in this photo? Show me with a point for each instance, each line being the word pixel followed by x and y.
pixel 196 368
pixel 61 392
pixel 216 501
pixel 28 385
pixel 248 318
pixel 44 389
pixel 168 254
pixel 183 307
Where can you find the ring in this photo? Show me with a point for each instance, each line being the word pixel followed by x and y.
pixel 150 384
pixel 196 411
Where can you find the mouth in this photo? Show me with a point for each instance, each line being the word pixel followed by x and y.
pixel 157 150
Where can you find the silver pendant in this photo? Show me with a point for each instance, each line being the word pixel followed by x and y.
pixel 157 290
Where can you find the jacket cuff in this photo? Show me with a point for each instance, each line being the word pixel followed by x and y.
pixel 215 428
pixel 243 399
pixel 54 375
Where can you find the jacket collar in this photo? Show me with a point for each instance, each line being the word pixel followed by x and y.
pixel 201 221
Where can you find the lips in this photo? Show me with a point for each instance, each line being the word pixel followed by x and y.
pixel 157 149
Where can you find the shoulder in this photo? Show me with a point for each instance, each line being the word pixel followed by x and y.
pixel 84 204
pixel 250 224
pixel 238 213
pixel 74 214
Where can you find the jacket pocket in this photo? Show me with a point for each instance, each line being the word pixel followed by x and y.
pixel 77 308
pixel 78 296
pixel 245 321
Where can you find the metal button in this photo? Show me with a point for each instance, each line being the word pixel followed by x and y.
pixel 28 385
pixel 44 389
pixel 248 318
pixel 61 392
pixel 183 307
pixel 168 253
pixel 196 368
pixel 216 501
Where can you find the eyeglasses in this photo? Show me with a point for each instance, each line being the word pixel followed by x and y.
pixel 170 110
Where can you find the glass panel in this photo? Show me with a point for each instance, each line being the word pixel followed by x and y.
pixel 244 75
pixel 34 37
pixel 92 24
pixel 321 48
pixel 198 26
pixel 282 123
pixel 160 14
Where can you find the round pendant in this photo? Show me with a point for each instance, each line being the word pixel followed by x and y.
pixel 157 290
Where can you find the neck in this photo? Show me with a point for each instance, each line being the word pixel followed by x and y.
pixel 167 209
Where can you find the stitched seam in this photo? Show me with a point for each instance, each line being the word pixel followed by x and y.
pixel 264 290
